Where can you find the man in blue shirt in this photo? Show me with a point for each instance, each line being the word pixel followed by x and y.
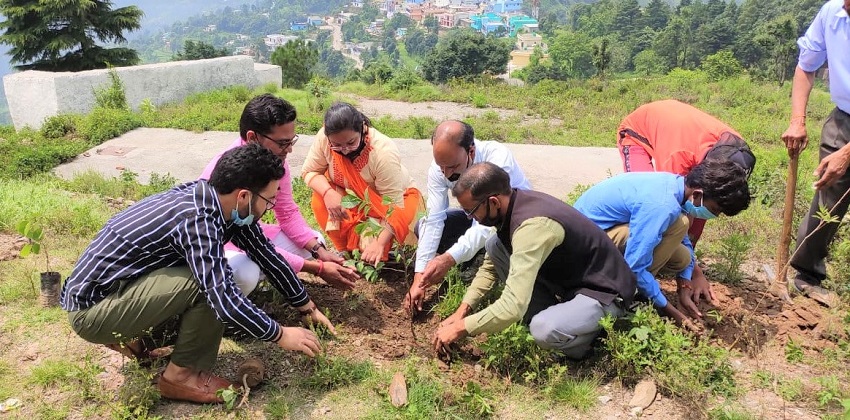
pixel 646 215
pixel 826 41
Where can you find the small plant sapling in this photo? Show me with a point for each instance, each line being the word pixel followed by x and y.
pixel 50 287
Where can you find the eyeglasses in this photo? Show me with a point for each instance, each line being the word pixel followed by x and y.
pixel 474 209
pixel 269 204
pixel 283 144
pixel 347 148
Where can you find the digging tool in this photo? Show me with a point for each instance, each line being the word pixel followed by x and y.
pixel 781 284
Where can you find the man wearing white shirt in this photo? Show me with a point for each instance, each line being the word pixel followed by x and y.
pixel 449 232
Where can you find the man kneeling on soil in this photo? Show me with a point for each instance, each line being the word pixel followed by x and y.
pixel 164 257
pixel 562 274
pixel 646 215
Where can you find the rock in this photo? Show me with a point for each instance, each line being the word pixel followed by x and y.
pixel 603 399
pixel 737 364
pixel 398 390
pixel 644 395
pixel 807 319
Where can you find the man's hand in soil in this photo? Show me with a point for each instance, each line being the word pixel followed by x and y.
pixel 447 334
pixel 436 270
pixel 687 298
pixel 701 286
pixel 458 316
pixel 415 296
pixel 679 318
pixel 299 339
pixel 338 276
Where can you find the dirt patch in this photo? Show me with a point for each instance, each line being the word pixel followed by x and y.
pixel 444 111
pixel 10 246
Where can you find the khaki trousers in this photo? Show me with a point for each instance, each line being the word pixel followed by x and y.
pixel 670 255
pixel 139 306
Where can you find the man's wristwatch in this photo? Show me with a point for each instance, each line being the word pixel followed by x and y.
pixel 314 251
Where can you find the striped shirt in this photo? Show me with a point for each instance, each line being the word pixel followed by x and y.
pixel 182 226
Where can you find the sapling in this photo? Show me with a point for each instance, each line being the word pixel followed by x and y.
pixel 49 279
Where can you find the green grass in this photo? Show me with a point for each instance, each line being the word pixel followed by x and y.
pixel 332 372
pixel 579 393
pixel 453 296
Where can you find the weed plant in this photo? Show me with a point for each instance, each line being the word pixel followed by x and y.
pixel 514 354
pixel 733 250
pixel 331 372
pixel 681 365
pixel 579 393
pixel 137 396
pixel 453 295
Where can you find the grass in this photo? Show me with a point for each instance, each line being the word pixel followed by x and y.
pixel 453 296
pixel 574 113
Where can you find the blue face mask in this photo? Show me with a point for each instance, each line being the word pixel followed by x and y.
pixel 700 212
pixel 239 221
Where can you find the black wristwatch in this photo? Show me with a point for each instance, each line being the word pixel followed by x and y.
pixel 314 251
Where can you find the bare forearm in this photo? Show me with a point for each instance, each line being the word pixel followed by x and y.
pixel 801 88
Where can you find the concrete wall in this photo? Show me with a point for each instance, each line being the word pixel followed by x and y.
pixel 36 95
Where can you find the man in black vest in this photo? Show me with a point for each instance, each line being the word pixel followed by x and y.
pixel 562 274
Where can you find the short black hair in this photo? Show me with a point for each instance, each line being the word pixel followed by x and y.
pixel 251 167
pixel 344 116
pixel 723 181
pixel 263 113
pixel 483 180
pixel 467 136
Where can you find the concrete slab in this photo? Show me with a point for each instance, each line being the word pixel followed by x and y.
pixel 555 170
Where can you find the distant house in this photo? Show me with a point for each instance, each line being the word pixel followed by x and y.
pixel 299 25
pixel 277 40
pixel 487 23
pixel 522 23
pixel 414 1
pixel 315 21
pixel 505 6
pixel 528 41
pixel 210 28
pixel 400 32
pixel 357 3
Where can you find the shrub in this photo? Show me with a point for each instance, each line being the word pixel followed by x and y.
pixel 681 365
pixel 513 353
pixel 721 65
pixel 334 372
pixel 734 248
pixel 105 123
pixel 59 126
pixel 111 96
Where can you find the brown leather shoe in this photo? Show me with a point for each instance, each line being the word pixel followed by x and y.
pixel 205 394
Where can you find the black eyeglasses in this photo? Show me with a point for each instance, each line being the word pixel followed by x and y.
pixel 474 209
pixel 269 204
pixel 283 144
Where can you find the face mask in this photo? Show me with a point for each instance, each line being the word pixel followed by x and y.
pixel 700 212
pixel 487 220
pixel 455 176
pixel 239 221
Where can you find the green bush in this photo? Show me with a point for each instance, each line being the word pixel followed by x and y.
pixel 734 248
pixel 513 353
pixel 680 365
pixel 106 123
pixel 334 372
pixel 59 126
pixel 111 96
pixel 721 65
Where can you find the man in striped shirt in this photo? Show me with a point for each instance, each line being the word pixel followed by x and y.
pixel 164 257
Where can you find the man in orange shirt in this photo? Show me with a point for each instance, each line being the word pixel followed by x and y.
pixel 672 136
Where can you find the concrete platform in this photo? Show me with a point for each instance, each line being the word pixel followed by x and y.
pixel 555 170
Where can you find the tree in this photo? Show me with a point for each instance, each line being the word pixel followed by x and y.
pixel 571 55
pixel 778 38
pixel 62 35
pixel 628 18
pixel 721 65
pixel 657 14
pixel 418 43
pixel 296 60
pixel 601 57
pixel 199 50
pixel 431 24
pixel 648 63
pixel 464 53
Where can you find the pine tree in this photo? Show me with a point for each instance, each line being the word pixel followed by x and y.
pixel 63 35
pixel 657 14
pixel 297 59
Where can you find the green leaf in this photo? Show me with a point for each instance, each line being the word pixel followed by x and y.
pixel 350 201
pixel 26 250
pixel 36 247
pixel 22 227
pixel 35 232
pixel 386 200
pixel 641 333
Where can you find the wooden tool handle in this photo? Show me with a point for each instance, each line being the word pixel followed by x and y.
pixel 787 219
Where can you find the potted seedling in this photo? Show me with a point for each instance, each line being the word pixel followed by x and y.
pixel 50 287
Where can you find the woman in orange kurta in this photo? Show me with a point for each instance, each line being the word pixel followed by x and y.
pixel 349 154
